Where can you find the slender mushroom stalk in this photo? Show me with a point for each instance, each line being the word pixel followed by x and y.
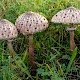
pixel 7 32
pixel 72 43
pixel 31 50
pixel 12 52
pixel 30 23
pixel 70 16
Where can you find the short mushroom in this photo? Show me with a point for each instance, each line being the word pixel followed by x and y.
pixel 70 16
pixel 30 23
pixel 7 32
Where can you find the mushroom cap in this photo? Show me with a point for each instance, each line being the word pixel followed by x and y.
pixel 30 23
pixel 7 30
pixel 69 15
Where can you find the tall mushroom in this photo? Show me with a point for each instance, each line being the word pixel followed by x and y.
pixel 30 23
pixel 70 16
pixel 7 32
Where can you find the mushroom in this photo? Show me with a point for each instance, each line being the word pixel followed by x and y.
pixel 70 16
pixel 30 23
pixel 7 32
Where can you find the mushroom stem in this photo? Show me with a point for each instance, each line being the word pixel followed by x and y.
pixel 72 43
pixel 31 51
pixel 10 48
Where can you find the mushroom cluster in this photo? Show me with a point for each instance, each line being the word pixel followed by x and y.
pixel 30 23
pixel 7 32
pixel 70 16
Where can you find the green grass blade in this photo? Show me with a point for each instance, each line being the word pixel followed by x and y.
pixel 71 60
pixel 25 55
pixel 23 68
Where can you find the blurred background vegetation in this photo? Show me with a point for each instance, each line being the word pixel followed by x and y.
pixel 54 60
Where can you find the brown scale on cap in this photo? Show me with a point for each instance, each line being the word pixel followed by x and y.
pixel 7 30
pixel 31 22
pixel 69 15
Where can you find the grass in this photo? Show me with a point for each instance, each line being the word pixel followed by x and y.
pixel 54 60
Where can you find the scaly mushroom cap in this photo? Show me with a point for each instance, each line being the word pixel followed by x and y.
pixel 7 30
pixel 31 22
pixel 69 15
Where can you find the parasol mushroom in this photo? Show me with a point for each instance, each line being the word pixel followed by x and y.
pixel 7 32
pixel 70 16
pixel 30 23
